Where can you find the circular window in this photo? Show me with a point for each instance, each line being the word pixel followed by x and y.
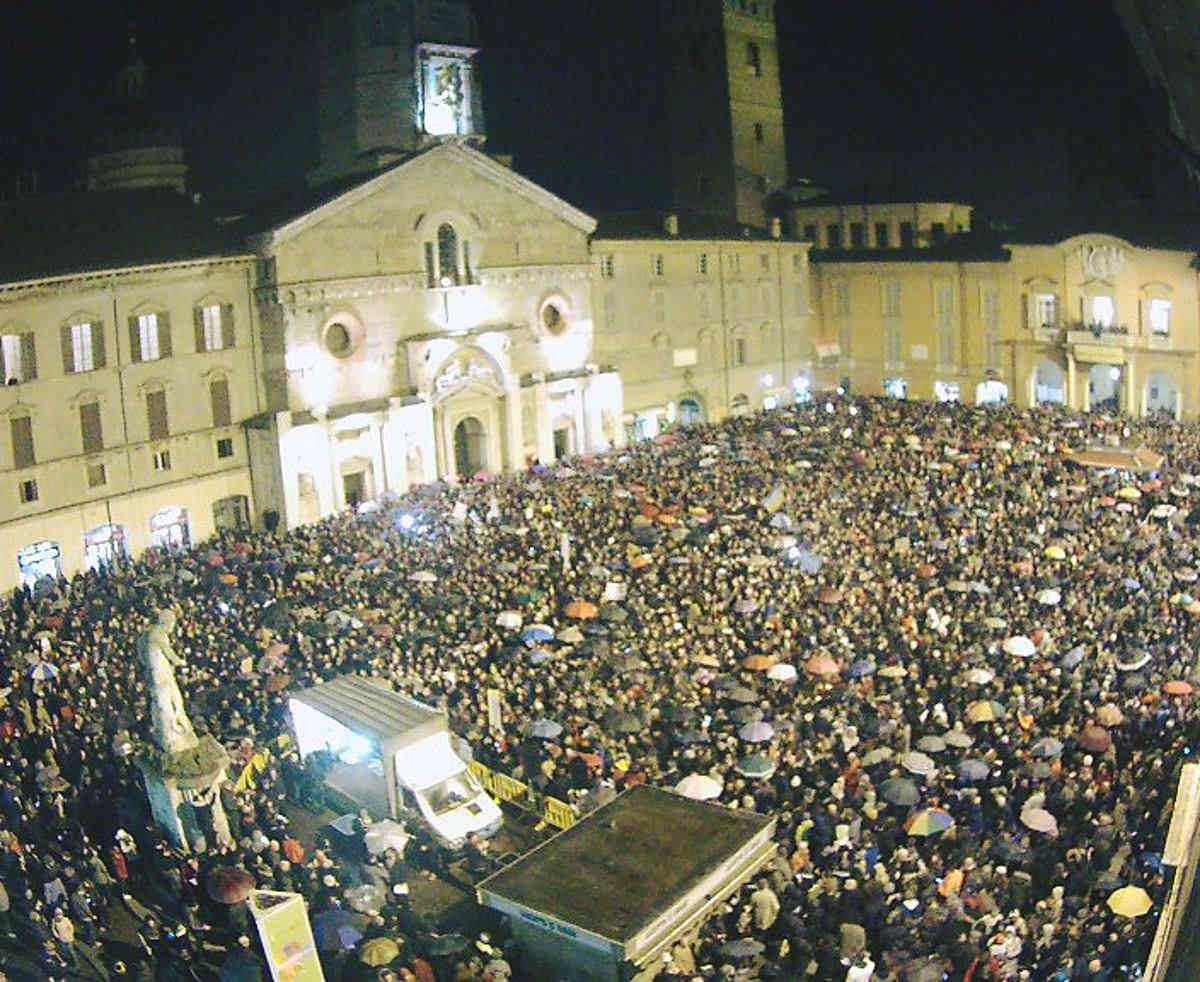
pixel 554 316
pixel 337 339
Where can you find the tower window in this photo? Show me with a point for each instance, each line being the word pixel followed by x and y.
pixel 833 236
pixel 858 235
pixel 881 235
pixel 937 231
pixel 753 59
pixel 907 239
pixel 447 253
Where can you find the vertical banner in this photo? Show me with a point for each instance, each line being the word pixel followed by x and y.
pixel 287 937
pixel 495 715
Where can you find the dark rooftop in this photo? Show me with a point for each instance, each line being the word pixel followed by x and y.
pixel 978 247
pixel 80 232
pixel 627 863
pixel 692 225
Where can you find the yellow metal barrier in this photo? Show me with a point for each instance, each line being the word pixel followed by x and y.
pixel 551 811
pixel 483 775
pixel 509 789
pixel 558 813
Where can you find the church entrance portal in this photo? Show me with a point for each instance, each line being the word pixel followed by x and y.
pixel 470 447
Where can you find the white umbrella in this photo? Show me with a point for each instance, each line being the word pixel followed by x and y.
pixel 384 835
pixel 423 576
pixel 916 762
pixel 1049 598
pixel 782 672
pixel 510 619
pixel 1039 820
pixel 1020 646
pixel 979 676
pixel 1163 511
pixel 699 787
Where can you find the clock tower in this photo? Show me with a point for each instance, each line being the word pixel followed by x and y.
pixel 724 107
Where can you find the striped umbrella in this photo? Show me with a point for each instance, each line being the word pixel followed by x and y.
pixel 928 821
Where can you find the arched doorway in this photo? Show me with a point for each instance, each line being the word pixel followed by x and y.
pixel 39 561
pixel 169 528
pixel 1049 384
pixel 103 544
pixel 1161 395
pixel 690 412
pixel 470 447
pixel 1104 388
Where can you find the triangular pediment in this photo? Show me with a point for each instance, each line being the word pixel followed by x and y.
pixel 455 158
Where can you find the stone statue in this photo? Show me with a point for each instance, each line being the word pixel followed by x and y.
pixel 172 729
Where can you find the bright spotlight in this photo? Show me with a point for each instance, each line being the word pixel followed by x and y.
pixel 829 407
pixel 407 522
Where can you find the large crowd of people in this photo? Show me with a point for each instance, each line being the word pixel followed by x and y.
pixel 952 663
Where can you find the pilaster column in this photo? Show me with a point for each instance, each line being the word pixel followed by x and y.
pixel 514 437
pixel 1071 397
pixel 541 414
pixel 1131 401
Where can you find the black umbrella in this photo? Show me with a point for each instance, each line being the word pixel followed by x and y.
pixel 446 944
pixel 622 722
pixel 899 791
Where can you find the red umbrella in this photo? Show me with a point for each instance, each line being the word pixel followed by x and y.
pixel 1095 738
pixel 229 885
pixel 1177 688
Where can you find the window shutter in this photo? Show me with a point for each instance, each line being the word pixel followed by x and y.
pixel 228 337
pixel 219 394
pixel 90 426
pixel 98 358
pixel 28 357
pixel 68 349
pixel 156 414
pixel 198 324
pixel 21 428
pixel 135 340
pixel 164 334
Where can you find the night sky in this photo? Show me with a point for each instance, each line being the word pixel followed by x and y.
pixel 942 98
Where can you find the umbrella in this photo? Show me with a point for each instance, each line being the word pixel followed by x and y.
pixel 423 576
pixel 821 664
pixel 758 663
pixel 747 714
pixel 43 670
pixel 510 619
pixel 1020 646
pixel 916 762
pixel 893 671
pixel 995 623
pixel 384 835
pixel 740 949
pixel 957 738
pixel 862 668
pixel 1130 901
pixel 972 769
pixel 622 722
pixel 747 605
pixel 755 765
pixel 1049 598
pixel 928 821
pixel 931 744
pixel 759 732
pixel 742 694
pixel 537 633
pixel 985 711
pixel 1039 820
pixel 572 635
pixel 782 672
pixel 979 676
pixel 1047 747
pixel 1129 493
pixel 899 791
pixel 544 729
pixel 446 944
pixel 614 613
pixel 877 756
pixel 1055 552
pixel 1095 738
pixel 581 610
pixel 1074 658
pixel 1136 660
pixel 378 951
pixel 703 658
pixel 366 897
pixel 1178 687
pixel 229 885
pixel 1109 715
pixel 699 787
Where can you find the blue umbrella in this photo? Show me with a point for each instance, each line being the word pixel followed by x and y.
pixel 1073 658
pixel 1129 583
pixel 537 633
pixel 538 655
pixel 335 929
pixel 809 561
pixel 544 729
pixel 862 668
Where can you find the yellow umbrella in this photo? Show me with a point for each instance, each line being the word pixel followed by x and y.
pixel 379 951
pixel 1130 902
pixel 1129 493
pixel 1055 552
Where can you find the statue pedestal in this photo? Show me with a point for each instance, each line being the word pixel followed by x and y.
pixel 180 784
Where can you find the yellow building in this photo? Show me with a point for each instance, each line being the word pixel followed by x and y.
pixel 700 320
pixel 911 303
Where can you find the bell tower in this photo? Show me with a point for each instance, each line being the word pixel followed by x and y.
pixel 725 107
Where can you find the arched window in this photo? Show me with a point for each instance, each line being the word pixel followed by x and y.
pixel 447 251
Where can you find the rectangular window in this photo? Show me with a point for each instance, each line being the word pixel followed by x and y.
pixel 83 347
pixel 758 133
pixel 19 355
pixel 810 233
pixel 91 428
pixel 882 234
pixel 161 460
pixel 739 352
pixel 210 317
pixel 1045 310
pixel 891 300
pixel 97 477
pixel 21 431
pixel 225 447
pixel 907 238
pixel 833 236
pixel 801 300
pixel 702 264
pixel 1160 317
pixel 156 415
pixel 28 491
pixel 148 337
pixel 1104 311
pixel 753 59
pixel 893 344
pixel 606 266
pixel 858 235
pixel 937 232
pixel 657 264
pixel 764 262
pixel 218 394
pixel 841 298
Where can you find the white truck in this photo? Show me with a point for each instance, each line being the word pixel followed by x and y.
pixel 394 756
